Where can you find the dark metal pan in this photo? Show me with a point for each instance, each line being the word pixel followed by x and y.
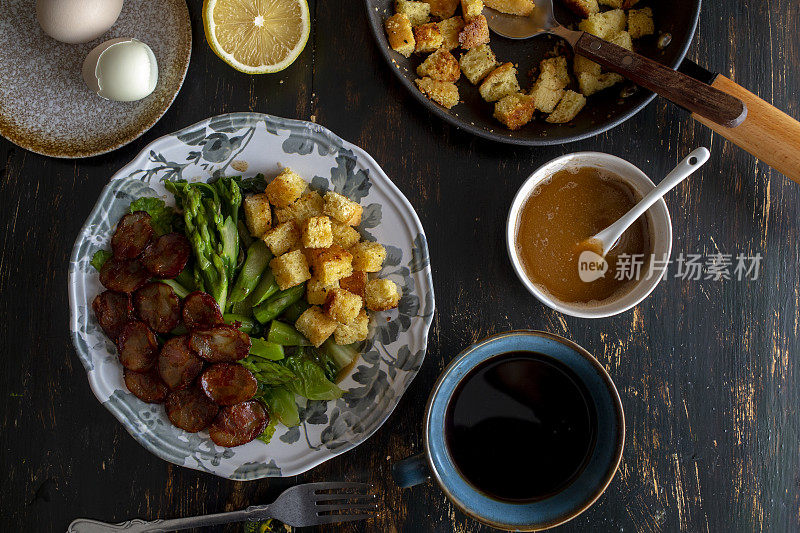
pixel 603 111
pixel 766 132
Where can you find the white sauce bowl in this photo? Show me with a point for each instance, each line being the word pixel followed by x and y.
pixel 658 220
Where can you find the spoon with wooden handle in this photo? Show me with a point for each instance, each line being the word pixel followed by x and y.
pixel 714 100
pixel 694 95
pixel 605 240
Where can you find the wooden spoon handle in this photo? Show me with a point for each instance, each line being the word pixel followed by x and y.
pixel 696 96
pixel 768 133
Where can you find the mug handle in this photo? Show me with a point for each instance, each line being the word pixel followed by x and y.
pixel 411 471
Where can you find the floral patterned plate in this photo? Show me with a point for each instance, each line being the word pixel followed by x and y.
pixel 248 144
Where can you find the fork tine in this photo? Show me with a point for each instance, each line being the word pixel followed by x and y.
pixel 344 485
pixel 364 506
pixel 334 518
pixel 344 497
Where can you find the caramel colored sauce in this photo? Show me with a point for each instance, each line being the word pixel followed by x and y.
pixel 559 216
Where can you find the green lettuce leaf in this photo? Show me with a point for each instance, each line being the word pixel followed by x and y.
pixel 268 373
pixel 311 382
pixel 162 217
pixel 268 432
pixel 281 405
pixel 99 258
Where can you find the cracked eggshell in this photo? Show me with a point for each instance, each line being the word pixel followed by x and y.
pixel 124 70
pixel 77 21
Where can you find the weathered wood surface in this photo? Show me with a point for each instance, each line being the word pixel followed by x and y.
pixel 707 370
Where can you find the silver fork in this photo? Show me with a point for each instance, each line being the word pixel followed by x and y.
pixel 311 504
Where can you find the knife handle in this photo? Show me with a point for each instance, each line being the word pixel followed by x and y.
pixel 699 98
pixel 768 133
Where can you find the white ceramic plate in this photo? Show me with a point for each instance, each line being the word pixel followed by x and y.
pixel 261 143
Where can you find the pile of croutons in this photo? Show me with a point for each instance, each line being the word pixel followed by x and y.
pixel 315 241
pixel 410 30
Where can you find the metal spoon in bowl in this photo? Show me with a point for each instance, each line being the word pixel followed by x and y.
pixel 680 89
pixel 605 240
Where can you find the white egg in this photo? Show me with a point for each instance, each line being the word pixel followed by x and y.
pixel 124 70
pixel 77 21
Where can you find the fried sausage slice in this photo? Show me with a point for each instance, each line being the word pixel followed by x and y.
pixel 220 344
pixel 228 383
pixel 123 275
pixel 167 256
pixel 201 311
pixel 132 235
pixel 147 386
pixel 190 409
pixel 238 424
pixel 138 347
pixel 158 306
pixel 177 363
pixel 113 310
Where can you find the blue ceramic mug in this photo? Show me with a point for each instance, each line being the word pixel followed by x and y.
pixel 571 500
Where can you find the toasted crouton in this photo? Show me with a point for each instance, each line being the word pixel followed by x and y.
pixel 590 84
pixel 310 253
pixel 281 238
pixel 477 63
pixel 381 294
pixel 308 205
pixel 400 34
pixel 583 8
pixel 623 39
pixel 605 24
pixel 317 233
pixel 368 256
pixel 332 264
pixel 500 82
pixel 317 292
pixel 344 235
pixel 257 214
pixel 417 12
pixel 569 106
pixel 554 69
pixel 475 33
pixel 443 8
pixel 581 65
pixel 342 209
pixel 285 188
pixel 619 4
pixel 471 8
pixel 427 37
pixel 450 28
pixel 441 66
pixel 549 87
pixel 441 92
pixel 640 22
pixel 357 330
pixel 545 98
pixel 514 110
pixel 342 305
pixel 512 7
pixel 355 282
pixel 290 269
pixel 315 325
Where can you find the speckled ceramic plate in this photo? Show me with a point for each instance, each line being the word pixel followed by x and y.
pixel 45 106
pixel 246 144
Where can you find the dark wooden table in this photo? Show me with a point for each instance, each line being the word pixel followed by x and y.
pixel 707 370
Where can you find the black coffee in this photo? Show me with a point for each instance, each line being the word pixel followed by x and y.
pixel 520 427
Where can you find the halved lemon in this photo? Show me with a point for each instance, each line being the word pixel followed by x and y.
pixel 257 36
